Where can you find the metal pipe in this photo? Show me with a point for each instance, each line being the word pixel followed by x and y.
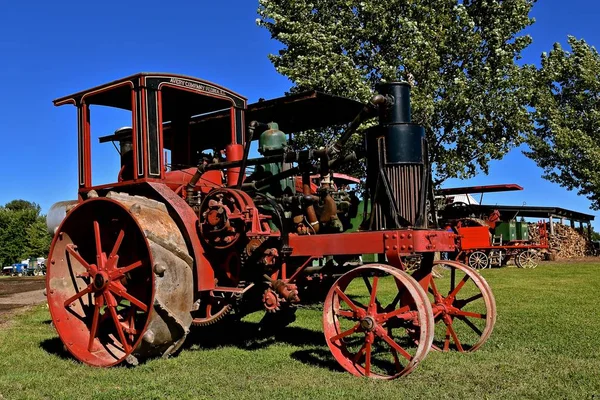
pixel 366 113
pixel 251 128
pixel 311 215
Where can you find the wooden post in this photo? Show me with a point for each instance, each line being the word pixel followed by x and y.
pixel 573 224
pixel 551 226
pixel 589 231
pixel 581 227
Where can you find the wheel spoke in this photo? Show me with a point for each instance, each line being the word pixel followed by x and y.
pixel 90 267
pixel 401 290
pixel 396 359
pixel 456 341
pixel 462 282
pixel 120 272
pixel 346 314
pixel 397 313
pixel 368 354
pixel 123 293
pixel 367 283
pixel 117 244
pixel 78 295
pixel 98 242
pixel 345 298
pixel 470 324
pixel 373 293
pixel 94 328
pixel 470 299
pixel 447 339
pixel 119 328
pixel 469 314
pixel 342 335
pixel 360 352
pixel 433 286
pixel 383 335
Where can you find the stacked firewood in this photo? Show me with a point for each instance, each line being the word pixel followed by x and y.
pixel 566 242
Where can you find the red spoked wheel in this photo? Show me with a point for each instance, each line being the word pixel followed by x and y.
pixel 464 308
pixel 100 283
pixel 378 322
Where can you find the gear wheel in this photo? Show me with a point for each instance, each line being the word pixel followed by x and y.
pixel 205 316
pixel 270 301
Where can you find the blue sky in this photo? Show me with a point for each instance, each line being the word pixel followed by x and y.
pixel 51 49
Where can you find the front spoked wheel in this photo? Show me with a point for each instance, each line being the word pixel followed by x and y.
pixel 378 322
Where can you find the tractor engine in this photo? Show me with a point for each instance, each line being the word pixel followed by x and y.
pixel 397 165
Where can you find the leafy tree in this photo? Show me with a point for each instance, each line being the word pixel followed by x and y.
pixel 38 239
pixel 566 141
pixel 460 56
pixel 22 232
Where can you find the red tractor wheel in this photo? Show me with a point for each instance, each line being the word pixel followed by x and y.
pixel 108 272
pixel 464 307
pixel 378 322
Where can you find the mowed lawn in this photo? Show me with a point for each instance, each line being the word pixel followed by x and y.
pixel 546 344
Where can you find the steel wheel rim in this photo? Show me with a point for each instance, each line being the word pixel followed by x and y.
pixel 527 259
pixel 356 349
pixel 474 327
pixel 100 297
pixel 478 260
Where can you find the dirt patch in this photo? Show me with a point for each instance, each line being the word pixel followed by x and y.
pixel 9 286
pixel 17 294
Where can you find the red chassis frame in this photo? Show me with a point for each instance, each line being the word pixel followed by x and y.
pixel 394 244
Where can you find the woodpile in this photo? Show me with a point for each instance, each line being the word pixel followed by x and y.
pixel 566 241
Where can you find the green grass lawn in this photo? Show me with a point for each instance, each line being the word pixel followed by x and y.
pixel 546 344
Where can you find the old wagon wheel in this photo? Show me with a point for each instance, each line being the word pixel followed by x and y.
pixel 464 308
pixel 478 260
pixel 378 322
pixel 527 259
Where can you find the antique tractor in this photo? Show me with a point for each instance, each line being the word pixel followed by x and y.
pixel 212 232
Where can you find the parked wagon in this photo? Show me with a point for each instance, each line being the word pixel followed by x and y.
pixel 480 248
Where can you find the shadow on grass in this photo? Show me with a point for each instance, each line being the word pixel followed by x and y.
pixel 251 336
pixel 317 358
pixel 243 335
pixel 56 347
pixel 256 336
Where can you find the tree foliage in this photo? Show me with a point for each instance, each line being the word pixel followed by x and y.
pixel 566 142
pixel 22 232
pixel 460 56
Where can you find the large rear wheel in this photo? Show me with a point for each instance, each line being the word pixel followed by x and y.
pixel 119 284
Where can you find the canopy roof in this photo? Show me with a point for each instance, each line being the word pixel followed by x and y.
pixel 508 187
pixel 293 113
pixel 118 93
pixel 511 212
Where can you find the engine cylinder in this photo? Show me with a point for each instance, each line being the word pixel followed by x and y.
pixel 397 163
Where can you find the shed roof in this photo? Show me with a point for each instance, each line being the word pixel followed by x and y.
pixel 511 212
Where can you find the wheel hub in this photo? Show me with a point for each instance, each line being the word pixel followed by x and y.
pixel 367 323
pixel 101 280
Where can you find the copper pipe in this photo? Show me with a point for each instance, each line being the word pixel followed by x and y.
pixel 329 208
pixel 311 215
